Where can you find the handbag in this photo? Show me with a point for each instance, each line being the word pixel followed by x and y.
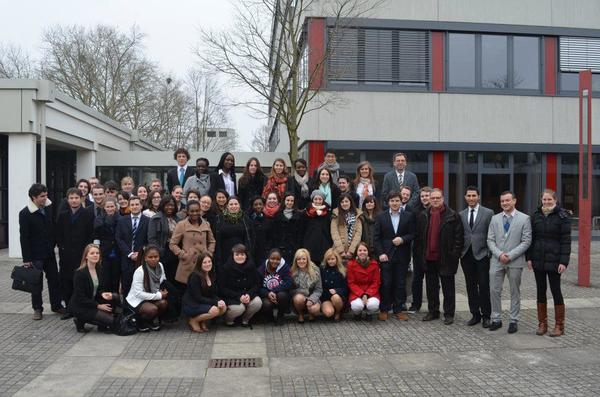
pixel 28 279
pixel 126 325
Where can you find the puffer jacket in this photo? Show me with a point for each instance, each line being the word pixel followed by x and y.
pixel 550 240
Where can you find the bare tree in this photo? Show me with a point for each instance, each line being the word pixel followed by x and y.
pixel 260 141
pixel 267 51
pixel 16 63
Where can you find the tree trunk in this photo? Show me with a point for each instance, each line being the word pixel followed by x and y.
pixel 293 137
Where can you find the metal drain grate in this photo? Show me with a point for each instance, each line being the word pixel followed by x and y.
pixel 235 363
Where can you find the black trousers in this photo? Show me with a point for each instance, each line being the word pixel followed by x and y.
pixel 417 284
pixel 50 269
pixel 542 286
pixel 393 286
pixel 433 279
pixel 477 279
pixel 282 306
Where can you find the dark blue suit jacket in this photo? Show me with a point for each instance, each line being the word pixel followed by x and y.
pixel 123 234
pixel 384 233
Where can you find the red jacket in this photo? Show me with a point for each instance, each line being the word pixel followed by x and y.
pixel 363 280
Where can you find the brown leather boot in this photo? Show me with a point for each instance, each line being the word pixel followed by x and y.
pixel 559 315
pixel 542 311
pixel 382 316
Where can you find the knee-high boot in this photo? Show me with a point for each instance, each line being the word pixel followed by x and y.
pixel 559 314
pixel 542 313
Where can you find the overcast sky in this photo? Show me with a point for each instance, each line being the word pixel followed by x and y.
pixel 171 29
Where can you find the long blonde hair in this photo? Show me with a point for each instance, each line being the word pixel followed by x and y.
pixel 85 253
pixel 310 266
pixel 338 261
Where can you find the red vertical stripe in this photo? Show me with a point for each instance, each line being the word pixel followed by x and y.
pixel 551 171
pixel 550 60
pixel 437 61
pixel 438 170
pixel 316 51
pixel 585 204
pixel 316 152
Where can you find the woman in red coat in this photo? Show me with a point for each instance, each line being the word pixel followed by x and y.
pixel 363 283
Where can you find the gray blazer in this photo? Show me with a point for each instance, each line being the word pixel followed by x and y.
pixel 391 184
pixel 515 243
pixel 476 238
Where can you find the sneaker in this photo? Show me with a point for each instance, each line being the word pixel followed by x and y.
pixel 142 326
pixel 37 315
pixel 413 310
pixel 154 325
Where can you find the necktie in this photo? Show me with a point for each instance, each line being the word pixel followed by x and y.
pixel 134 232
pixel 401 179
pixel 472 218
pixel 181 175
pixel 506 223
pixel 98 211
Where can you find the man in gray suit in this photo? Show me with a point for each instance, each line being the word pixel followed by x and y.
pixel 509 237
pixel 400 176
pixel 475 258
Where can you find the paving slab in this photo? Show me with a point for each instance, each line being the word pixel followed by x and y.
pixel 242 350
pixel 175 369
pixel 227 382
pixel 13 307
pixel 364 364
pixel 240 335
pixel 82 365
pixel 301 365
pixel 59 386
pixel 100 345
pixel 127 368
pixel 418 361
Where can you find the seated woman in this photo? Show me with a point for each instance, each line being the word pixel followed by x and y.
pixel 276 285
pixel 307 290
pixel 238 285
pixel 363 282
pixel 146 298
pixel 335 289
pixel 200 301
pixel 90 302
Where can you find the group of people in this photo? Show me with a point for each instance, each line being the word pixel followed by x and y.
pixel 211 245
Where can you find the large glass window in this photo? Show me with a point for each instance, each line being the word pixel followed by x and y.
pixel 462 172
pixel 494 68
pixel 528 180
pixel 526 62
pixel 461 60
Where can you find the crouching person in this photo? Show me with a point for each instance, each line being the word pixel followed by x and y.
pixel 276 284
pixel 363 282
pixel 308 288
pixel 200 301
pixel 90 302
pixel 146 297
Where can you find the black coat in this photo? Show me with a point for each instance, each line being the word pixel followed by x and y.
pixel 296 188
pixel 159 233
pixel 173 177
pixel 550 240
pixel 237 280
pixel 216 183
pixel 384 233
pixel 367 231
pixel 317 235
pixel 194 296
pixel 84 301
pixel 104 230
pixel 263 237
pixel 451 240
pixel 36 233
pixel 288 234
pixel 230 234
pixel 73 233
pixel 332 278
pixel 251 188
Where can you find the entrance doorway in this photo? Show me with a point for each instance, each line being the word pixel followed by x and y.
pixel 492 185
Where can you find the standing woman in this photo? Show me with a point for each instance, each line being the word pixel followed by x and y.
pixel 317 226
pixel 177 194
pixel 83 185
pixel 192 238
pixel 306 294
pixel 277 181
pixel 549 257
pixel 208 213
pixel 232 228
pixel 251 183
pixel 370 210
pixel 288 228
pixel 191 195
pixel 324 184
pixel 200 301
pixel 221 197
pixel 363 282
pixel 261 226
pixel 92 300
pixel 200 182
pixel 238 285
pixel 300 184
pixel 153 204
pixel 127 184
pixel 160 229
pixel 346 227
pixel 335 289
pixel 224 176
pixel 364 182
pixel 142 193
pixel 123 199
pixel 146 298
pixel 105 226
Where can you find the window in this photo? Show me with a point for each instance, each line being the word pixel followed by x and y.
pixel 494 62
pixel 211 134
pixel 379 56
pixel 575 55
pixel 223 134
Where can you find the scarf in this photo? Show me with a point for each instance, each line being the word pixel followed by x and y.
pixel 314 211
pixel 364 263
pixel 203 181
pixel 288 213
pixel 333 168
pixel 350 222
pixel 547 211
pixel 256 215
pixel 276 184
pixel 433 252
pixel 303 182
pixel 326 189
pixel 271 211
pixel 154 276
pixel 366 182
pixel 232 218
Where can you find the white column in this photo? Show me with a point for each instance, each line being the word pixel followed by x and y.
pixel 86 164
pixel 21 175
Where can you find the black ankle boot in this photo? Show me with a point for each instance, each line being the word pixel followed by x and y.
pixel 79 325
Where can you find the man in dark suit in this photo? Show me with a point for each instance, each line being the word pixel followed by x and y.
pixel 131 236
pixel 74 230
pixel 393 233
pixel 36 229
pixel 400 176
pixel 475 258
pixel 180 174
pixel 98 197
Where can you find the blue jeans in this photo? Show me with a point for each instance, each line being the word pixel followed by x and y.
pixel 49 267
pixel 393 286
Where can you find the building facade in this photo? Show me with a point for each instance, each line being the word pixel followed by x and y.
pixel 474 92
